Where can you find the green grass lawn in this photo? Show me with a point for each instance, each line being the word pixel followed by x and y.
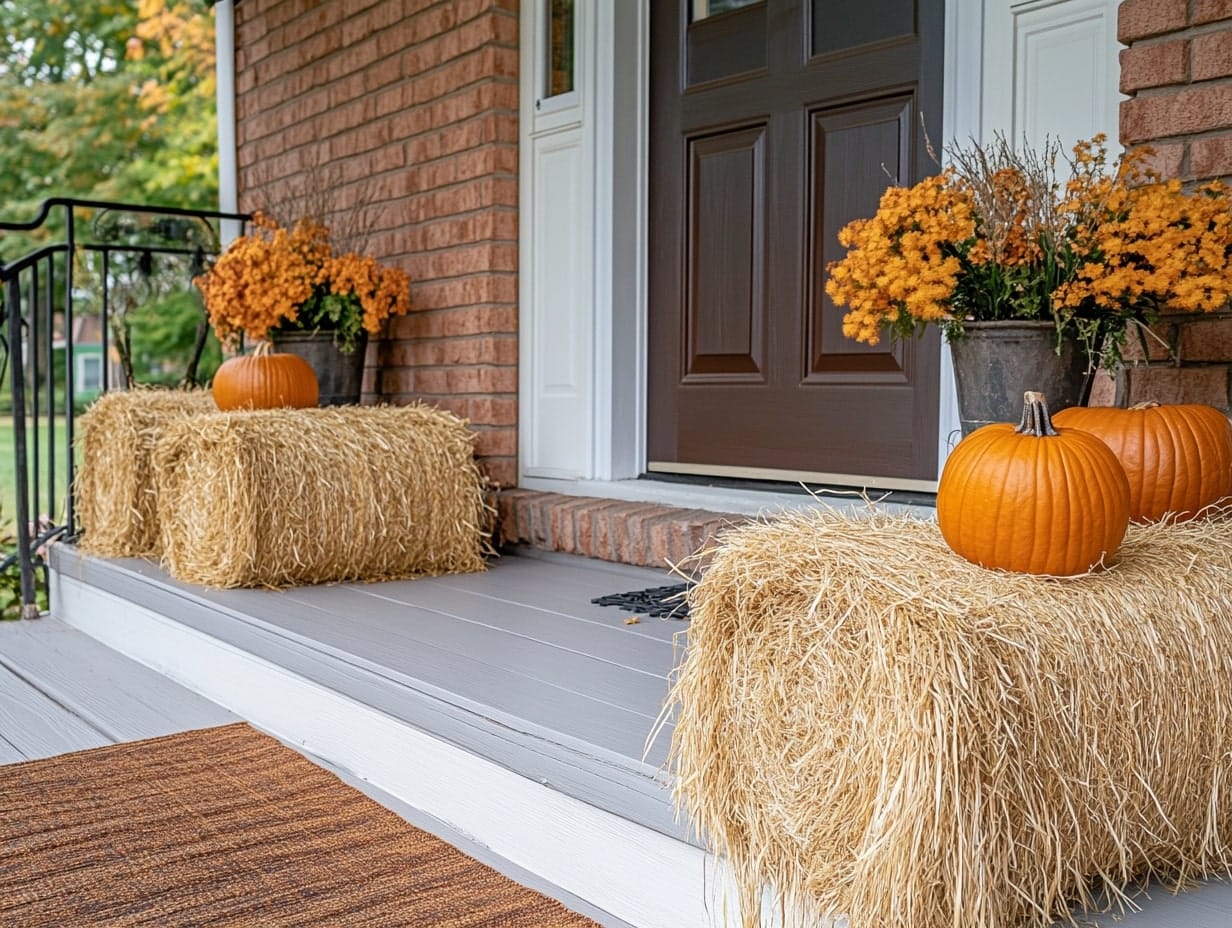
pixel 8 476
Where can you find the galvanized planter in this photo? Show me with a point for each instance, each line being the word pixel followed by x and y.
pixel 340 376
pixel 996 362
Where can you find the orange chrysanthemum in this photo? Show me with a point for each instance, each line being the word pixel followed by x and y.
pixel 277 278
pixel 996 236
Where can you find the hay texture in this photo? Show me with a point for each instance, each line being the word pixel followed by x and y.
pixel 114 490
pixel 291 496
pixel 878 729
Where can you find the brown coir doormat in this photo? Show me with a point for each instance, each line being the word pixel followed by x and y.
pixel 226 826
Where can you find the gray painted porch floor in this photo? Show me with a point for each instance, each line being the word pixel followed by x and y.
pixel 63 691
pixel 514 664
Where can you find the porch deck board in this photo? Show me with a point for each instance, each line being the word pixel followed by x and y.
pixel 61 690
pixel 565 585
pixel 36 726
pixel 461 649
pixel 565 694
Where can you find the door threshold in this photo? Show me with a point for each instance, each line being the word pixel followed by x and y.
pixel 857 482
pixel 743 497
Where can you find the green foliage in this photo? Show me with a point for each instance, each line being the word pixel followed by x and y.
pixel 10 583
pixel 102 100
pixel 164 333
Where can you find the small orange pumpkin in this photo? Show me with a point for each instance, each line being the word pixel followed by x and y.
pixel 1033 498
pixel 264 380
pixel 1178 458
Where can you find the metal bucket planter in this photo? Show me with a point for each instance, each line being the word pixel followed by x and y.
pixel 340 376
pixel 996 362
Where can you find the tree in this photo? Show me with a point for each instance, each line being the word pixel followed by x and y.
pixel 109 100
pixel 105 100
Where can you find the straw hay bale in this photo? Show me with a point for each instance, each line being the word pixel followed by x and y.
pixel 291 496
pixel 114 489
pixel 881 730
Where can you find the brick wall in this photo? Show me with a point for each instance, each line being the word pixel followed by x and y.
pixel 411 108
pixel 1177 72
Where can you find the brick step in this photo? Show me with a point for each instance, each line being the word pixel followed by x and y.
pixel 642 534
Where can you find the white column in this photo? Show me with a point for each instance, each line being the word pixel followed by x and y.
pixel 224 58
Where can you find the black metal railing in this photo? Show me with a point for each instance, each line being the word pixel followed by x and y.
pixel 106 263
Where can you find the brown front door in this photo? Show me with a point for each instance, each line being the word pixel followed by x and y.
pixel 772 125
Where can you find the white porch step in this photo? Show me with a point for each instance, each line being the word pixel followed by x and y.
pixel 382 688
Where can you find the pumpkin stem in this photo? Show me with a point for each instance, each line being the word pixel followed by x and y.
pixel 1149 404
pixel 262 348
pixel 1035 418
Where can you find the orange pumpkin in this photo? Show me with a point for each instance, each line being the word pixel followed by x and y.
pixel 264 380
pixel 1178 458
pixel 1033 498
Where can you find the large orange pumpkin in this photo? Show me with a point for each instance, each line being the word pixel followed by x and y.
pixel 1178 458
pixel 265 380
pixel 1033 498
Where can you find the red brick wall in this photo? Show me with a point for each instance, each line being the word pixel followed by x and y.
pixel 1177 72
pixel 413 106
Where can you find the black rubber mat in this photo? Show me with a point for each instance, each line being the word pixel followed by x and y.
pixel 657 602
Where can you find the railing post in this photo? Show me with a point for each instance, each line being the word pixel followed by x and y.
pixel 29 608
pixel 70 517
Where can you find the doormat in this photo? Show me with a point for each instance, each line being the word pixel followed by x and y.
pixel 226 826
pixel 657 602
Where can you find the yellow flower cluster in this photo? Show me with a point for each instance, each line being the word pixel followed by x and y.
pixel 1156 244
pixel 277 278
pixel 896 265
pixel 997 237
pixel 381 292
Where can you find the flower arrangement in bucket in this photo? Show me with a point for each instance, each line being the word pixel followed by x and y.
pixel 997 236
pixel 277 283
pixel 276 279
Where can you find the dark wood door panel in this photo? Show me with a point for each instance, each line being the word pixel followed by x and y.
pixel 854 151
pixel 753 169
pixel 844 27
pixel 725 254
pixel 739 427
pixel 726 46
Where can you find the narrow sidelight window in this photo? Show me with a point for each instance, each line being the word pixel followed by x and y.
pixel 559 47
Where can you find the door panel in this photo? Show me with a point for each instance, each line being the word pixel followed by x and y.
pixel 1050 69
pixel 725 319
pixel 855 150
pixel 757 159
pixel 838 27
pixel 727 45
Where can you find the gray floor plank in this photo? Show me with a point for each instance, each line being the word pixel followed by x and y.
pixel 1206 905
pixel 112 693
pixel 597 760
pixel 399 630
pixel 547 626
pixel 557 687
pixel 38 727
pixel 9 753
pixel 395 647
pixel 483 663
pixel 567 588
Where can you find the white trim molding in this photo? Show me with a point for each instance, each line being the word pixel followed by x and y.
pixel 582 264
pixel 224 93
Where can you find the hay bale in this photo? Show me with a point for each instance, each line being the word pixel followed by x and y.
pixel 884 731
pixel 291 496
pixel 113 489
